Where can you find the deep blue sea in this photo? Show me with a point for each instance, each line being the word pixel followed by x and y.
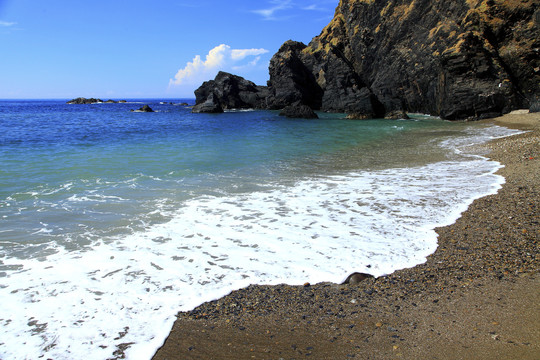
pixel 112 221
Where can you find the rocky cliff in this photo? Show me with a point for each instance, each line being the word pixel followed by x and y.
pixel 457 59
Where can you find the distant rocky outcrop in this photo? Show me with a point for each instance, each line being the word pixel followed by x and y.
pixel 82 100
pixel 463 59
pixel 145 108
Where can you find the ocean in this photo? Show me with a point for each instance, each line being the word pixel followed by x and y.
pixel 112 221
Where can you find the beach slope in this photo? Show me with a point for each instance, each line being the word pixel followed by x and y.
pixel 476 297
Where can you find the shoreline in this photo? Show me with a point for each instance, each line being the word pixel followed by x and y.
pixel 475 297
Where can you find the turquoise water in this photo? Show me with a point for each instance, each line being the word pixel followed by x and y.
pixel 110 218
pixel 61 162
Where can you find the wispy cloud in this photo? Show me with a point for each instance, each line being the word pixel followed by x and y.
pixel 275 6
pixel 284 9
pixel 7 23
pixel 316 7
pixel 221 57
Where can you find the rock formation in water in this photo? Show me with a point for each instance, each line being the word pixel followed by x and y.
pixel 229 92
pixel 145 108
pixel 456 59
pixel 82 100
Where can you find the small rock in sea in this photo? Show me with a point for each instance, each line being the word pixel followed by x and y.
pixel 396 114
pixel 360 116
pixel 145 108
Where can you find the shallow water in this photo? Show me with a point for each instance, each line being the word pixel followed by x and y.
pixel 112 221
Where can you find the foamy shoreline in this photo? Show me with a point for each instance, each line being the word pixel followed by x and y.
pixel 467 270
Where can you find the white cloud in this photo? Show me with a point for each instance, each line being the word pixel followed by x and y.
pixel 7 23
pixel 221 57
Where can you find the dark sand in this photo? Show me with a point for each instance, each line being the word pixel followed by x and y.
pixel 477 296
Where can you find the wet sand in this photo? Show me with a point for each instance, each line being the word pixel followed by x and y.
pixel 477 296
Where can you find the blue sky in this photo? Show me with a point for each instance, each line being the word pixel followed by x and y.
pixel 134 48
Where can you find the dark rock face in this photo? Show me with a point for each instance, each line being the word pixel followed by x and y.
pixel 231 92
pixel 469 59
pixel 298 110
pixel 535 106
pixel 291 79
pixel 209 105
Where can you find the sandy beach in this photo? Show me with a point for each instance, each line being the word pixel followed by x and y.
pixel 477 296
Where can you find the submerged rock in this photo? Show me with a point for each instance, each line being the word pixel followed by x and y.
pixel 360 116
